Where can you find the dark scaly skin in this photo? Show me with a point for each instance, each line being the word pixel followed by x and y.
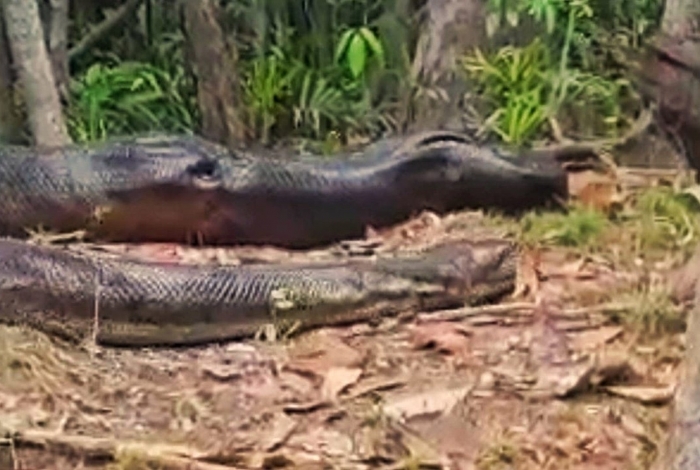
pixel 137 189
pixel 310 202
pixel 141 190
pixel 144 304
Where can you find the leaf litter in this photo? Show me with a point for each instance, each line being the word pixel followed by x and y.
pixel 547 379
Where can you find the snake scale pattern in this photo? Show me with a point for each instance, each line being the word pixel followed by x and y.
pixel 186 190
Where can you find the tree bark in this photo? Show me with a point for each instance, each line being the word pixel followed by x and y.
pixel 58 44
pixel 670 76
pixel 10 124
pixel 451 29
pixel 212 66
pixel 31 59
pixel 680 17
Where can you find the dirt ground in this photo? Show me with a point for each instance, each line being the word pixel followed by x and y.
pixel 547 379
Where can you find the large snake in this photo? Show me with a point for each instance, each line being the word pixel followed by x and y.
pixel 184 189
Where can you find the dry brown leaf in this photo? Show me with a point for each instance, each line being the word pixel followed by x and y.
pixel 445 337
pixel 547 344
pixel 562 380
pixel 316 353
pixel 376 384
pixel 594 189
pixel 592 339
pixel 646 395
pixel 433 402
pixel 280 429
pixel 338 379
pixel 527 280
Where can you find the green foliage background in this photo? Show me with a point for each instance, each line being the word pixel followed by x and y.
pixel 341 68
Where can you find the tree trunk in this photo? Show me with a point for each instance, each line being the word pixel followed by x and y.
pixel 451 29
pixel 58 44
pixel 213 69
pixel 10 124
pixel 680 18
pixel 671 75
pixel 31 59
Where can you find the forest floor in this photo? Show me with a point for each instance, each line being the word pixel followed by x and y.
pixel 575 370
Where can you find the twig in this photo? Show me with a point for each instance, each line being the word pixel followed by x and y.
pixel 171 456
pixel 103 29
pixel 96 308
pixel 640 125
pixel 520 309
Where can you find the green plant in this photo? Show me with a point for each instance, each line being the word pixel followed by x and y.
pixel 527 86
pixel 312 89
pixel 580 227
pixel 126 98
pixel 514 87
pixel 266 87
pixel 665 219
pixel 355 47
pixel 651 312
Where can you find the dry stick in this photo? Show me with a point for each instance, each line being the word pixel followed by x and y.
pixel 521 308
pixel 641 124
pixel 172 456
pixel 103 29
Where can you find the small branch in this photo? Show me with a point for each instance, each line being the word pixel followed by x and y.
pixel 516 309
pixel 564 149
pixel 103 29
pixel 166 455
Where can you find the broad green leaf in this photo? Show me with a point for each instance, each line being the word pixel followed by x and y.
pixel 343 43
pixel 357 55
pixel 374 44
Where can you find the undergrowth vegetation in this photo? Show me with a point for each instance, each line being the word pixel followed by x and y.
pixel 652 224
pixel 567 75
pixel 334 70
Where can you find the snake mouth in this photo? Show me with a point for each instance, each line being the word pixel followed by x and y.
pixel 205 175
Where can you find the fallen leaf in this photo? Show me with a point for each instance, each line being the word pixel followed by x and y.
pixel 547 344
pixel 445 337
pixel 282 427
pixel 592 339
pixel 527 279
pixel 424 454
pixel 563 380
pixel 594 189
pixel 222 372
pixel 316 353
pixel 646 395
pixel 307 406
pixel 376 384
pixel 338 379
pixel 434 402
pixel 612 366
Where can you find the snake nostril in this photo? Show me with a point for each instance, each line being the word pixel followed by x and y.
pixel 207 169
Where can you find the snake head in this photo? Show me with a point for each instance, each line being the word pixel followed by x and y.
pixel 145 163
pixel 479 270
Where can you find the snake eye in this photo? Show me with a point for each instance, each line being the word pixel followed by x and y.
pixel 205 174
